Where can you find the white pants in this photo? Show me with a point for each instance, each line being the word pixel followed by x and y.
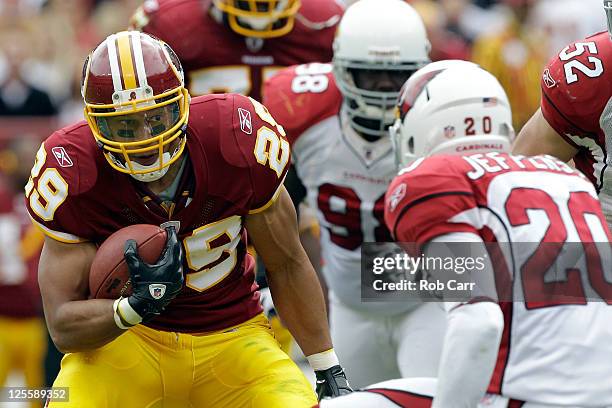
pixel 410 393
pixel 374 349
pixel 497 401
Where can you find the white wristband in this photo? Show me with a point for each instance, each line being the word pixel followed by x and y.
pixel 125 313
pixel 323 361
pixel 117 317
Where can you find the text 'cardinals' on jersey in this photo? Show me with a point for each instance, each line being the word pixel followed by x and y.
pixel 217 60
pixel 544 356
pixel 237 160
pixel 576 102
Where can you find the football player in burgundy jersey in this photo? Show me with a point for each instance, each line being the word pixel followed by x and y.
pixel 234 46
pixel 575 117
pixel 23 336
pixel 522 340
pixel 336 117
pixel 209 169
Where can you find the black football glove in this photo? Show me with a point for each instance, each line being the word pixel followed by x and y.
pixel 154 286
pixel 332 383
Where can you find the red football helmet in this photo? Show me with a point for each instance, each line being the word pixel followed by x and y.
pixel 260 18
pixel 136 103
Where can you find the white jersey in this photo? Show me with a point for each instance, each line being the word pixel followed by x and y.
pixel 554 350
pixel 346 177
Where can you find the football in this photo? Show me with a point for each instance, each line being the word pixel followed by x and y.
pixel 109 277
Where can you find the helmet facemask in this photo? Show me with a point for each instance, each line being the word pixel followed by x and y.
pixel 371 62
pixel 260 18
pixel 144 143
pixel 143 130
pixel 370 92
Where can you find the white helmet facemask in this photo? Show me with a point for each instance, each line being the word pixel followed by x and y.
pixel 372 111
pixel 393 44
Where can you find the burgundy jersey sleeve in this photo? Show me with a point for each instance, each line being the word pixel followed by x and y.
pixel 57 177
pixel 259 145
pixel 422 200
pixel 575 89
pixel 173 21
pixel 317 22
pixel 302 96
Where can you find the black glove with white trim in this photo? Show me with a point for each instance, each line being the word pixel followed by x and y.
pixel 332 383
pixel 153 286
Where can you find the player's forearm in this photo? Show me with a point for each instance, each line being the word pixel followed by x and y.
pixel 538 137
pixel 83 325
pixel 470 346
pixel 299 301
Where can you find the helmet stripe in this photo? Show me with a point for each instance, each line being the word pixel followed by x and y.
pixel 114 62
pixel 138 59
pixel 125 59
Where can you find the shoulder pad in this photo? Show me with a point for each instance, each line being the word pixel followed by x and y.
pixel 321 13
pixel 66 166
pixel 243 144
pixel 173 21
pixel 438 181
pixel 302 96
pixel 575 89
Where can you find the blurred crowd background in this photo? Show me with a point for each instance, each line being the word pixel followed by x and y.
pixel 43 44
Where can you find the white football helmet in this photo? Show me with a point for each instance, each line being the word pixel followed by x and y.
pixel 377 37
pixel 451 107
pixel 608 8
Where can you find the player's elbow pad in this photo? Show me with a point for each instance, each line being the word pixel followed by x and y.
pixel 482 322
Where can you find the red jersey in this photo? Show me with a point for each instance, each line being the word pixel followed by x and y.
pixel 216 59
pixel 543 356
pixel 302 96
pixel 576 96
pixel 237 160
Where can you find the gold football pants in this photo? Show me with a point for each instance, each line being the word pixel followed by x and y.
pixel 23 343
pixel 242 366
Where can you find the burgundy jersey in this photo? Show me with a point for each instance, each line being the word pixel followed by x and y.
pixel 217 60
pixel 543 355
pixel 237 161
pixel 20 245
pixel 576 94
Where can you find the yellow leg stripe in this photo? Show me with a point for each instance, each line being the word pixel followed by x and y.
pixel 125 58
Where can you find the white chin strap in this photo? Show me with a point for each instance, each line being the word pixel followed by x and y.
pixel 260 23
pixel 152 175
pixel 257 23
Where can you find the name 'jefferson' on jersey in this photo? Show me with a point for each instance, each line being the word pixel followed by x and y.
pixel 554 349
